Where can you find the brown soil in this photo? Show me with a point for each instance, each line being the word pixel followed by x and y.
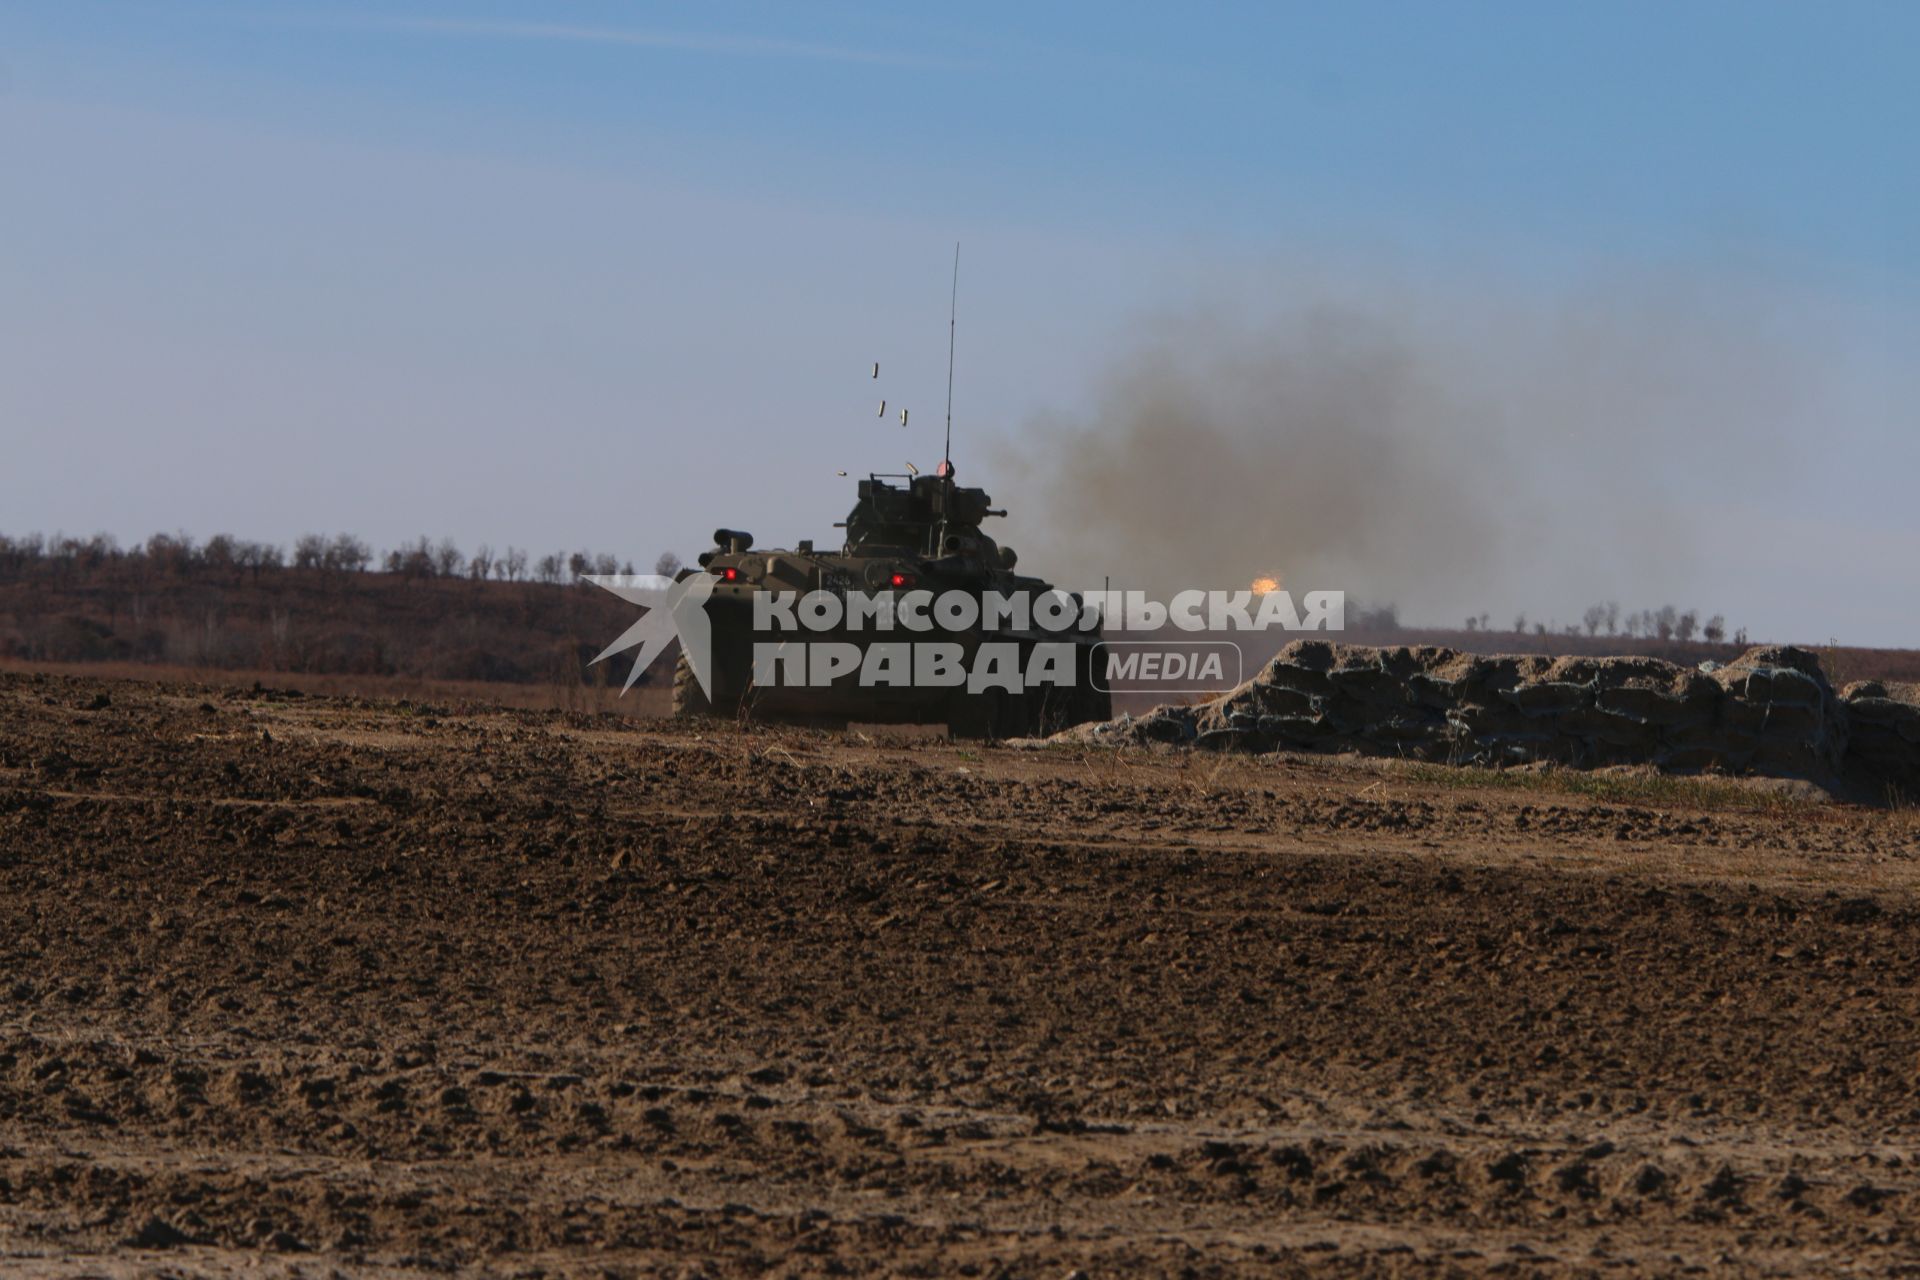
pixel 651 697
pixel 298 985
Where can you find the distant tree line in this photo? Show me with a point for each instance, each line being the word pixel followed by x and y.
pixel 176 555
pixel 1664 623
pixel 330 605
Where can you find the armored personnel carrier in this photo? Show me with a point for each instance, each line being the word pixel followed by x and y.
pixel 907 535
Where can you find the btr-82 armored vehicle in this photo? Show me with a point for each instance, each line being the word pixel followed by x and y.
pixel 906 534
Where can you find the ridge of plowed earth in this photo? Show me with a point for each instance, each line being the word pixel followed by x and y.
pixel 304 986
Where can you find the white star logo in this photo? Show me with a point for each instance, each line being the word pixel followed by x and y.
pixel 673 609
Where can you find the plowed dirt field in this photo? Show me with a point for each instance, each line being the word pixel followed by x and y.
pixel 295 985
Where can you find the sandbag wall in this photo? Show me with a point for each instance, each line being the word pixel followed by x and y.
pixel 1883 734
pixel 1771 712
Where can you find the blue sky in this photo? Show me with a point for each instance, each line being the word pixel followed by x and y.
pixel 612 274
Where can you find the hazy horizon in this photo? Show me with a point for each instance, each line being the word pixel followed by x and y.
pixel 1618 306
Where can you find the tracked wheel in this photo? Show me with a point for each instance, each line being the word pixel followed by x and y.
pixel 689 700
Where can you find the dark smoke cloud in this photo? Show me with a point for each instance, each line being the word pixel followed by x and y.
pixel 1448 454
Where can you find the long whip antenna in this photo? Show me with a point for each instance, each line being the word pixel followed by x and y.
pixel 953 316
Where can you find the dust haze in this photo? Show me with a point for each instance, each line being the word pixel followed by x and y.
pixel 1450 453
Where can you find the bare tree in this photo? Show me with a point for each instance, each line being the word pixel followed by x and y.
pixel 1613 617
pixel 1685 625
pixel 256 556
pixel 171 553
pixel 1664 621
pixel 480 564
pixel 218 554
pixel 16 555
pixel 347 554
pixel 1716 629
pixel 447 560
pixel 667 565
pixel 1594 616
pixel 516 563
pixel 412 559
